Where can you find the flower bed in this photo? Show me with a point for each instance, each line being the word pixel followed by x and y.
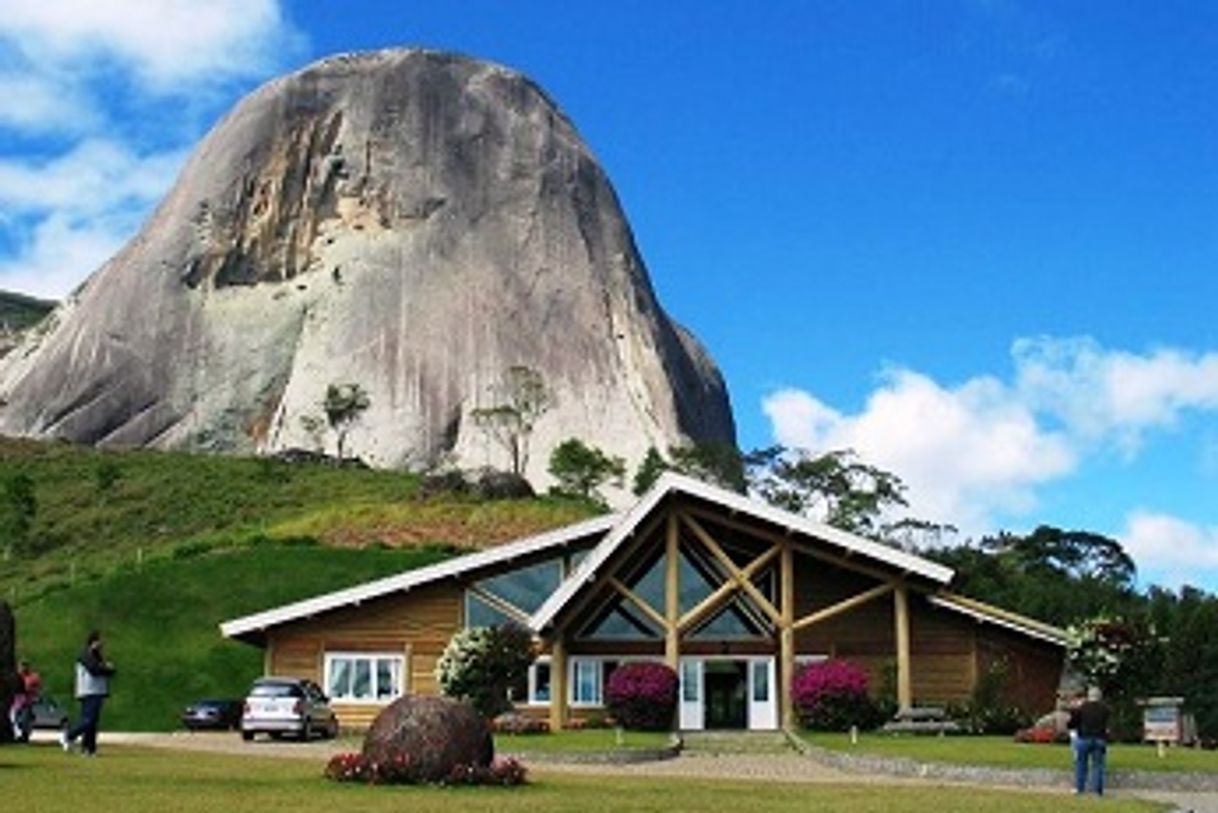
pixel 354 767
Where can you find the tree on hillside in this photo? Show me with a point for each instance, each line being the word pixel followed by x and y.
pixel 1186 621
pixel 343 405
pixel 1059 576
pixel 652 466
pixel 721 464
pixel 581 470
pixel 835 486
pixel 521 399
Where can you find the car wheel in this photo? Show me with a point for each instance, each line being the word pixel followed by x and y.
pixel 248 736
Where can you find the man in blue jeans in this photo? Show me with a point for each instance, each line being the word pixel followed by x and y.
pixel 93 674
pixel 1089 722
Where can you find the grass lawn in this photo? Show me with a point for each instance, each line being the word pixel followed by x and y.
pixel 135 780
pixel 588 740
pixel 1002 751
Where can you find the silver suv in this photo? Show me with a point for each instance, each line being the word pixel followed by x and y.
pixel 284 705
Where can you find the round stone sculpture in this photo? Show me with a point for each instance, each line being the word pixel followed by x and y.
pixel 433 735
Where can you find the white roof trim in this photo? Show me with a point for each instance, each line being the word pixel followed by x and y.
pixel 418 577
pixel 738 503
pixel 1034 629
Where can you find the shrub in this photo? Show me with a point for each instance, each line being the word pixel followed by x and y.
pixel 989 710
pixel 481 663
pixel 401 771
pixel 642 695
pixel 832 696
pixel 504 772
pixel 512 723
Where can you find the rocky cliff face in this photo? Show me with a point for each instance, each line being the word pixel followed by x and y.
pixel 409 221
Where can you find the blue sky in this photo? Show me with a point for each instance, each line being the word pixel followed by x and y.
pixel 973 239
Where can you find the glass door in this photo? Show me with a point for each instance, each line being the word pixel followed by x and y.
pixel 763 710
pixel 690 714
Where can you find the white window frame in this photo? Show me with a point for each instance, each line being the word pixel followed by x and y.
pixel 599 670
pixel 533 700
pixel 599 660
pixel 374 700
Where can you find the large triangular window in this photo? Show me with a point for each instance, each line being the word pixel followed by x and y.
pixel 621 621
pixel 735 621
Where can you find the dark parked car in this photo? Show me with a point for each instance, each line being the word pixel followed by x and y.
pixel 283 705
pixel 48 714
pixel 223 715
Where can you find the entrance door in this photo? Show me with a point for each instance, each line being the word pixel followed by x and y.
pixel 763 710
pixel 690 714
pixel 726 688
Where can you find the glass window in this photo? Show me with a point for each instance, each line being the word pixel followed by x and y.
pixel 276 689
pixel 649 585
pixel 621 621
pixel 730 622
pixel 761 681
pixel 480 614
pixel 527 588
pixel 339 684
pixel 359 677
pixel 388 677
pixel 586 686
pixel 690 685
pixel 696 580
pixel 539 682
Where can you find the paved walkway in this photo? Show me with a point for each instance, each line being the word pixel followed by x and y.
pixel 707 756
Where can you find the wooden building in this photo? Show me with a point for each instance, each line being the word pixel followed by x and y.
pixel 734 594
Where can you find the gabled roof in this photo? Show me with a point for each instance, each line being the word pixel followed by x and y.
pixel 989 614
pixel 253 625
pixel 676 484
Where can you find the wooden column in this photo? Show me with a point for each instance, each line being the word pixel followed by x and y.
pixel 786 633
pixel 672 593
pixel 900 603
pixel 558 684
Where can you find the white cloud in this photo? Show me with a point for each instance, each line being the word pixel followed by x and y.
pixel 985 447
pixel 1113 394
pixel 1169 550
pixel 164 43
pixel 95 70
pixel 964 453
pixel 74 211
pixel 50 264
pixel 92 179
pixel 41 104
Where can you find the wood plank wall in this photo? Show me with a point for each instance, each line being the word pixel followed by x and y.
pixel 418 624
pixel 941 644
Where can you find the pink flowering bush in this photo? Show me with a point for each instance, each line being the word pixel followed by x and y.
pixel 400 771
pixel 642 695
pixel 832 696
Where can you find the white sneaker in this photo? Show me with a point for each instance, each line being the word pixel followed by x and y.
pixel 64 742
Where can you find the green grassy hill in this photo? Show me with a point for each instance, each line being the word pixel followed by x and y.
pixel 156 548
pixel 18 311
pixel 99 510
pixel 160 621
